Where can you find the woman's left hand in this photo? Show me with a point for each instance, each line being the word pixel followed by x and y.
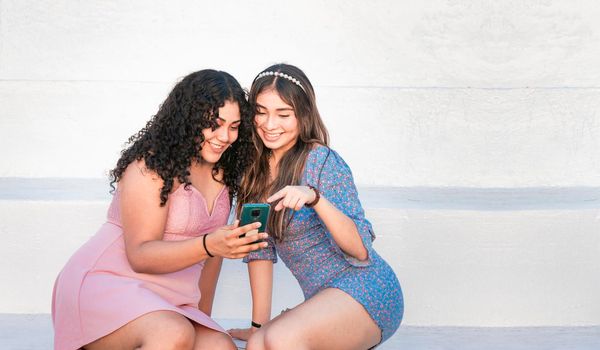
pixel 293 197
pixel 242 333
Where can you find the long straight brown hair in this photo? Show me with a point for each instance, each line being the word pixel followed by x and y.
pixel 256 186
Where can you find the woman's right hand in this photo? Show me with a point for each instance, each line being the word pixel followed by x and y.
pixel 226 241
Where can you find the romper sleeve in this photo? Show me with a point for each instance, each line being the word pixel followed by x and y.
pixel 330 174
pixel 268 253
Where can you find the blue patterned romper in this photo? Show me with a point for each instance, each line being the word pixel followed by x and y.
pixel 317 262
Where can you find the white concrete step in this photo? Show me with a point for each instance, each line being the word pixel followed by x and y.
pixel 465 257
pixel 423 136
pixel 34 332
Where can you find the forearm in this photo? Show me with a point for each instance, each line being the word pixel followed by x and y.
pixel 342 229
pixel 261 284
pixel 208 283
pixel 158 256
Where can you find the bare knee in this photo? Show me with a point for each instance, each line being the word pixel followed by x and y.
pixel 279 339
pixel 223 341
pixel 256 341
pixel 177 334
pixel 216 340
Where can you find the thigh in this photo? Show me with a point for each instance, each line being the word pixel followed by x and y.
pixel 209 339
pixel 331 319
pixel 153 329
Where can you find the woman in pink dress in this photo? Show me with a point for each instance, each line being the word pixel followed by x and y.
pixel 146 279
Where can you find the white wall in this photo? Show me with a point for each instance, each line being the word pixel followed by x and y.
pixel 429 93
pixel 473 94
pixel 457 267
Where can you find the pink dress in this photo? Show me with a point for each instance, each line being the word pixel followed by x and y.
pixel 97 291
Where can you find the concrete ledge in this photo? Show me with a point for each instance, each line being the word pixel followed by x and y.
pixel 455 198
pixel 34 331
pixel 465 257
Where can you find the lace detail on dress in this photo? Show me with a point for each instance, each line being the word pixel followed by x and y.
pixel 188 212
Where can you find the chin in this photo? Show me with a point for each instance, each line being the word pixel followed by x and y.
pixel 273 144
pixel 210 158
pixel 270 145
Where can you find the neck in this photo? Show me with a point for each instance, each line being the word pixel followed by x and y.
pixel 202 166
pixel 277 154
pixel 275 157
pixel 273 168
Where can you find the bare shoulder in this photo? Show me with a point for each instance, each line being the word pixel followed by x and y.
pixel 138 177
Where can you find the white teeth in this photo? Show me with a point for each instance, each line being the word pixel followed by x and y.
pixel 216 146
pixel 273 135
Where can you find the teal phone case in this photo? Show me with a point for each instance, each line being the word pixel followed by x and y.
pixel 255 212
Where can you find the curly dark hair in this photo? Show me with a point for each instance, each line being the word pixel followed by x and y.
pixel 172 139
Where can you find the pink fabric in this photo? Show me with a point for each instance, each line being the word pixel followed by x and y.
pixel 97 292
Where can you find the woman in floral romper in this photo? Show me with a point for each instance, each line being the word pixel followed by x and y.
pixel 353 299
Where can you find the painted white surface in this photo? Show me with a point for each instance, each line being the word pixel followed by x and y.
pixel 456 267
pixel 390 137
pixel 507 268
pixel 16 331
pixel 443 93
pixel 342 43
pixel 429 93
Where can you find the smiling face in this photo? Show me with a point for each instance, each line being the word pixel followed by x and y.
pixel 218 140
pixel 276 123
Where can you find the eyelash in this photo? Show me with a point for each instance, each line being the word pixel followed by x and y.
pixel 280 115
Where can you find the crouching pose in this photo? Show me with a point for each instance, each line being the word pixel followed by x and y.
pixel 146 279
pixel 318 228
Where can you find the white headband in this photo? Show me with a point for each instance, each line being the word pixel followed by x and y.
pixel 282 75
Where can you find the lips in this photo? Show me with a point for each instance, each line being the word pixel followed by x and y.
pixel 217 148
pixel 272 136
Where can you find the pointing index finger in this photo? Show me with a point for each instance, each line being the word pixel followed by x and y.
pixel 279 194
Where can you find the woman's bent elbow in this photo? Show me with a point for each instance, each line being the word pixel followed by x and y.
pixel 137 267
pixel 361 254
pixel 137 264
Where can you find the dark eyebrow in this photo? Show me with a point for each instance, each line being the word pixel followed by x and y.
pixel 277 109
pixel 225 121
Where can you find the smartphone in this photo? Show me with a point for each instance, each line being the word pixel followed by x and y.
pixel 255 212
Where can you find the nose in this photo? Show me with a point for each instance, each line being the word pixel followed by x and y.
pixel 222 134
pixel 270 123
